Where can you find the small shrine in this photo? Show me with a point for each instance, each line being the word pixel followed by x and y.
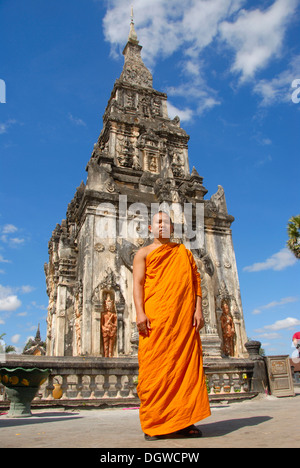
pixel 35 347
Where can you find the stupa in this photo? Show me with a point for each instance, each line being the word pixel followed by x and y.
pixel 139 162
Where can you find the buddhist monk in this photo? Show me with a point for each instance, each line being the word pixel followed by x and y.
pixel 168 301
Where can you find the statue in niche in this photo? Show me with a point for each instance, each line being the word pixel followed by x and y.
pixel 136 162
pixel 78 331
pixel 109 326
pixel 153 167
pixel 156 106
pixel 130 100
pixel 145 106
pixel 228 329
pixel 78 314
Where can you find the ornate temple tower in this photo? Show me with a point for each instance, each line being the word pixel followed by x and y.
pixel 140 161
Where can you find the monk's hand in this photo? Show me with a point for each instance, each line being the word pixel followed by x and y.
pixel 143 323
pixel 198 320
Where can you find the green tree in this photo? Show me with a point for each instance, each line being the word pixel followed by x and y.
pixel 293 229
pixel 8 348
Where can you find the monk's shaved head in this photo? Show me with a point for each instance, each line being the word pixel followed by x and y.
pixel 162 213
pixel 161 225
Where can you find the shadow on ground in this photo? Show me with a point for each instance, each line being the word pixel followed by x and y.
pixel 38 418
pixel 221 428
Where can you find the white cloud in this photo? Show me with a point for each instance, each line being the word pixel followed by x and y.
pixel 16 241
pixel 287 323
pixel 185 115
pixel 27 289
pixel 158 24
pixel 164 27
pixel 8 301
pixel 9 228
pixel 6 231
pixel 265 160
pixel 77 121
pixel 279 89
pixel 270 336
pixel 15 338
pixel 271 305
pixel 3 260
pixel 198 93
pixel 4 126
pixel 277 262
pixel 257 36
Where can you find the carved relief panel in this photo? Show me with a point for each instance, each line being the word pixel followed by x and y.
pixel 177 161
pixel 151 162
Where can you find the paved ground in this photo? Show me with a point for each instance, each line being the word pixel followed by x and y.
pixel 265 422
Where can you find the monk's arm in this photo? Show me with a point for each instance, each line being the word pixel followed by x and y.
pixel 198 320
pixel 139 269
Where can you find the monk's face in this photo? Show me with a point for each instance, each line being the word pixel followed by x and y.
pixel 161 226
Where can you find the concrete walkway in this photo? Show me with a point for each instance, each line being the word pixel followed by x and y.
pixel 265 422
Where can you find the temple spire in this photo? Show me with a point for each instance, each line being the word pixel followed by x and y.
pixel 132 34
pixel 134 71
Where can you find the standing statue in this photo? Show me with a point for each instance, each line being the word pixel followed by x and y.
pixel 78 331
pixel 228 329
pixel 109 326
pixel 78 316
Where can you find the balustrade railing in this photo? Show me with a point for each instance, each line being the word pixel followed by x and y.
pixel 96 382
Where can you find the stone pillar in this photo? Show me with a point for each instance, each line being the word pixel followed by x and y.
pixel 59 347
pixel 260 377
pixel 87 281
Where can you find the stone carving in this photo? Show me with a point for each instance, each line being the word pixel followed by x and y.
pixel 134 70
pixel 228 329
pixel 153 164
pixel 156 106
pixel 99 247
pixel 127 252
pixel 177 164
pixel 136 162
pixel 125 151
pixel 78 315
pixel 130 100
pixel 109 326
pixel 163 189
pixel 134 340
pixel 137 74
pixel 219 200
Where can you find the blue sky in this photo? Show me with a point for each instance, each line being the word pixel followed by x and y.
pixel 227 67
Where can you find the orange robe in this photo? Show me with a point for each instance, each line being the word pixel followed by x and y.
pixel 171 383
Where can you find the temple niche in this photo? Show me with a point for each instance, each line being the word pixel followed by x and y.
pixel 108 325
pixel 139 161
